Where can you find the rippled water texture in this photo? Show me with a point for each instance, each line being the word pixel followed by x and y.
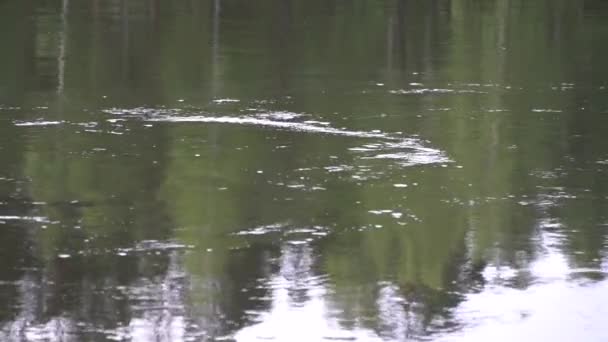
pixel 291 170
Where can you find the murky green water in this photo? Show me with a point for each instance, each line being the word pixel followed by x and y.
pixel 311 170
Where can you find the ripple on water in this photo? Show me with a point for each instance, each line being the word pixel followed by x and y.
pixel 396 214
pixel 156 245
pixel 546 110
pixel 338 168
pixel 420 91
pixel 406 152
pixel 285 232
pixel 280 116
pixel 226 100
pixel 548 174
pixel 142 111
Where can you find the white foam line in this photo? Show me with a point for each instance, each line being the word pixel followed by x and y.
pixel 25 218
pixel 38 123
pixel 293 126
pixel 435 91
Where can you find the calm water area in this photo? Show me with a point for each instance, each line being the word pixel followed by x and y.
pixel 303 170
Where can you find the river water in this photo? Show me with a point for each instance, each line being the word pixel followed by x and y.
pixel 290 170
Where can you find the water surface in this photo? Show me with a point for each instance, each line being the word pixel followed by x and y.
pixel 312 170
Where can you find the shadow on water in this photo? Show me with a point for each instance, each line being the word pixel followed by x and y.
pixel 227 170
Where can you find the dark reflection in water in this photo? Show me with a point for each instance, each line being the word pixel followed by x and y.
pixel 303 170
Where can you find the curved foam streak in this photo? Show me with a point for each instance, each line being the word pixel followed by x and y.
pixel 288 125
pixel 395 142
